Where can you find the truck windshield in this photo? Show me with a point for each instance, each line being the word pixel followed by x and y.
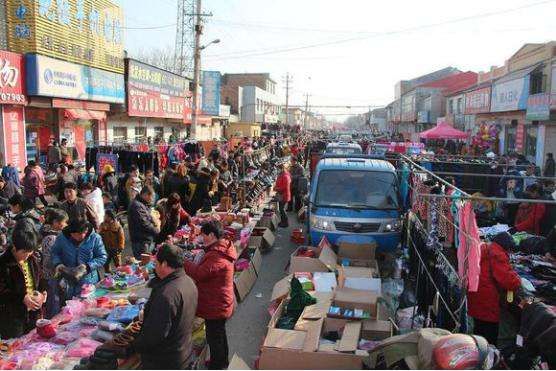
pixel 357 189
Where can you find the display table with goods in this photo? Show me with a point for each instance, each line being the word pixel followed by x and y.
pixel 95 331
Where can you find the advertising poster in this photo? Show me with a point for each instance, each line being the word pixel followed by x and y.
pixel 104 159
pixel 538 107
pixel 11 78
pixel 519 137
pixel 211 93
pixel 510 95
pixel 477 101
pixel 13 136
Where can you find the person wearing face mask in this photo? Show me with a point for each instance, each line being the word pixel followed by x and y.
pixel 164 342
pixel 214 277
pixel 77 208
pixel 77 254
pixel 22 287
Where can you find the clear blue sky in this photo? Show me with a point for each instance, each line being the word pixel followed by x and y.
pixel 396 39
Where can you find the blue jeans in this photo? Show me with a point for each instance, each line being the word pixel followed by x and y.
pixel 53 301
pixel 139 248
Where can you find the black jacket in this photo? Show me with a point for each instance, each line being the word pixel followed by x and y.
pixel 15 320
pixel 165 339
pixel 179 185
pixel 201 194
pixel 140 221
pixel 9 190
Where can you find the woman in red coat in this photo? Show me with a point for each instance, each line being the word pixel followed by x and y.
pixel 282 187
pixel 530 215
pixel 497 277
pixel 214 277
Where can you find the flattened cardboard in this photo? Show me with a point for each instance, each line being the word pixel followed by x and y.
pixel 285 339
pixel 320 309
pixel 357 251
pixel 257 261
pixel 350 337
pixel 365 284
pixel 243 283
pixel 313 336
pixel 281 289
pixel 238 364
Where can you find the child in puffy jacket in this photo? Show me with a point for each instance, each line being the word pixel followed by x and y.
pixel 113 236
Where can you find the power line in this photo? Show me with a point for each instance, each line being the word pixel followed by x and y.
pixel 238 54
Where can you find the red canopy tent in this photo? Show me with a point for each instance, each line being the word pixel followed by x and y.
pixel 443 130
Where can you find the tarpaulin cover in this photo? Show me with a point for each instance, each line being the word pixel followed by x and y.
pixel 443 131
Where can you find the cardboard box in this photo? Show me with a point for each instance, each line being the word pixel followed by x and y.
pixel 302 349
pixel 359 255
pixel 261 238
pixel 238 364
pixel 377 329
pixel 356 299
pixel 244 282
pixel 257 260
pixel 271 222
pixel 326 260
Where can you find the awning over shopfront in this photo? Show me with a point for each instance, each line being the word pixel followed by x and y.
pixel 83 114
pixel 443 131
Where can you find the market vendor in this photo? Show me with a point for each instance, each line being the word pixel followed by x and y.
pixel 22 288
pixel 172 215
pixel 164 342
pixel 497 277
pixel 530 215
pixel 214 276
pixel 77 208
pixel 77 255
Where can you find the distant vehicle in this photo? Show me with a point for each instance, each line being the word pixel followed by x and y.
pixel 345 138
pixel 343 148
pixel 356 197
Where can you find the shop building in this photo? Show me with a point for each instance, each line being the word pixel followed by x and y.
pixel 12 110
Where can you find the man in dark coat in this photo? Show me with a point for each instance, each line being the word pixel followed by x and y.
pixel 22 287
pixel 142 227
pixel 8 189
pixel 201 195
pixel 164 342
pixel 77 208
pixel 550 166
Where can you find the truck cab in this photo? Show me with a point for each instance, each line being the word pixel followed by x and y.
pixel 356 197
pixel 343 148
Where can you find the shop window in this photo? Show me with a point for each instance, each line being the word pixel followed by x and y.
pixel 140 133
pixel 460 106
pixel 537 82
pixel 120 134
pixel 159 132
pixel 511 132
pixel 451 106
pixel 531 133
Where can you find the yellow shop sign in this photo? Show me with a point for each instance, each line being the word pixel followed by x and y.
pixel 88 32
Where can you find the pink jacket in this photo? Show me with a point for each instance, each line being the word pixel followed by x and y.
pixel 470 246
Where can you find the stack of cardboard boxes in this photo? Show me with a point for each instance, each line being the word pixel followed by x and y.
pixel 333 333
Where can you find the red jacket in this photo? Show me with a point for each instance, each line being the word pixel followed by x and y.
pixel 214 277
pixel 282 186
pixel 496 274
pixel 529 217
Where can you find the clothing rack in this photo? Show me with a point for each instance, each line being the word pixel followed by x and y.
pixel 494 175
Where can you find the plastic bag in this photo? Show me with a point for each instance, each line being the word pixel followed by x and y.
pixel 124 314
pixel 83 348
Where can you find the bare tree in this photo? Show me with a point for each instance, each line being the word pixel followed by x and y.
pixel 163 58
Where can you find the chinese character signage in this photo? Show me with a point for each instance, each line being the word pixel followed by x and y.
pixel 538 107
pixel 12 133
pixel 477 101
pixel 519 137
pixel 11 78
pixel 510 95
pixel 553 87
pixel 88 32
pixel 152 92
pixel 211 93
pixel 54 78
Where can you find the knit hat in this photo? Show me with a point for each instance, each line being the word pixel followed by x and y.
pixel 108 169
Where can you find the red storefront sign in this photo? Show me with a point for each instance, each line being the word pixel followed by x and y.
pixel 12 71
pixel 79 104
pixel 477 101
pixel 151 104
pixel 519 137
pixel 13 136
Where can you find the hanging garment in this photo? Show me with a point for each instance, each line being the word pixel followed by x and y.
pixel 469 249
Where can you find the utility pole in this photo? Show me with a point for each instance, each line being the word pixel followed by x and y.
pixel 288 82
pixel 306 111
pixel 197 68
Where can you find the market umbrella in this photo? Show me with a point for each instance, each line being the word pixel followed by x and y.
pixel 443 131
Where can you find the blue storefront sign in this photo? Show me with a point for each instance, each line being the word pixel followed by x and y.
pixel 510 95
pixel 211 93
pixel 51 77
pixel 538 107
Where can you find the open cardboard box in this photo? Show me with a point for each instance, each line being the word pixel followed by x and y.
pixel 326 260
pixel 359 255
pixel 346 298
pixel 261 238
pixel 269 221
pixel 244 282
pixel 301 348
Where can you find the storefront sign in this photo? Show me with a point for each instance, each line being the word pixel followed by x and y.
pixel 519 137
pixel 538 107
pixel 104 159
pixel 79 104
pixel 149 104
pixel 54 78
pixel 553 87
pixel 11 78
pixel 148 78
pixel 510 95
pixel 477 101
pixel 211 93
pixel 88 32
pixel 423 117
pixel 12 131
pixel 224 110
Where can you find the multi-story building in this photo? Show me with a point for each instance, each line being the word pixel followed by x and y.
pixel 293 117
pixel 377 120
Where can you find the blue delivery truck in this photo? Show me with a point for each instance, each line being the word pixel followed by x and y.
pixel 355 198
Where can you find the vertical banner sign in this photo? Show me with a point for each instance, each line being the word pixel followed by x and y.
pixel 13 135
pixel 211 93
pixel 519 137
pixel 11 78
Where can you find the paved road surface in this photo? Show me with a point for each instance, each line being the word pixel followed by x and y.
pixel 247 328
